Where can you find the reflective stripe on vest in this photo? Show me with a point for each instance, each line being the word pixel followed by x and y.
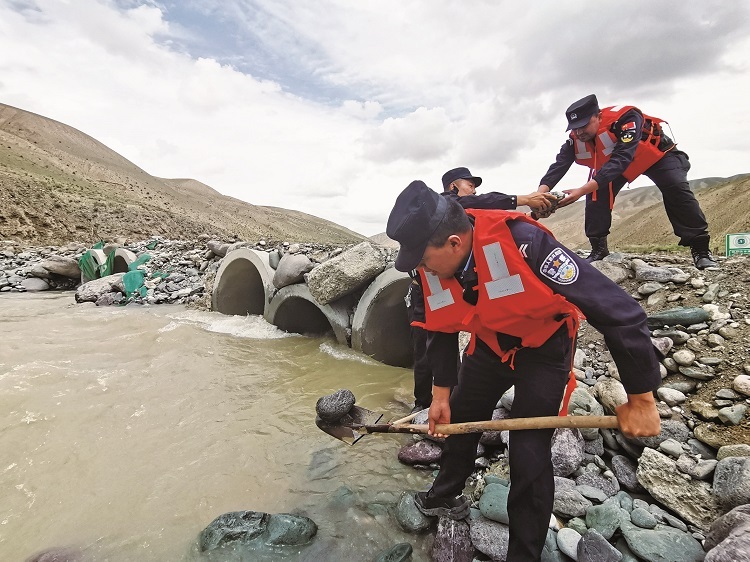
pixel 595 155
pixel 530 310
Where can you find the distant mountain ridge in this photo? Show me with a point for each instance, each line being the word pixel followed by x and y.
pixel 59 185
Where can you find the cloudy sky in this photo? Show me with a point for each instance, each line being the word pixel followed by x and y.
pixel 332 107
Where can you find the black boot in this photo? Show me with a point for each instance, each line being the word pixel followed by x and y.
pixel 599 249
pixel 702 257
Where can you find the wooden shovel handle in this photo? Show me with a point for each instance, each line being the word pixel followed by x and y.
pixel 548 422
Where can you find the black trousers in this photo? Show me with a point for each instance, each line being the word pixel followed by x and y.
pixel 540 376
pixel 670 175
pixel 422 370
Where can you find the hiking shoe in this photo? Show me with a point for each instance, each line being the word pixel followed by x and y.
pixel 599 249
pixel 703 258
pixel 453 508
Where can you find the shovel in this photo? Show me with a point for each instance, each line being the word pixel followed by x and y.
pixel 361 421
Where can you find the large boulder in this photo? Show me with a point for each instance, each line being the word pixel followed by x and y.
pixel 691 499
pixel 91 291
pixel 732 481
pixel 346 273
pixel 291 270
pixel 57 265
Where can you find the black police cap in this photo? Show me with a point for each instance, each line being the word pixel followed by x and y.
pixel 580 112
pixel 415 216
pixel 457 174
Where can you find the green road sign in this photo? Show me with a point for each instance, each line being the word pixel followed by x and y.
pixel 738 243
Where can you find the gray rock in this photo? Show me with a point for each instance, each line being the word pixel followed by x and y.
pixel 489 537
pixel 732 482
pixel 274 257
pixel 671 396
pixel 291 270
pixel 288 529
pixel 506 400
pixel 398 553
pixel 735 450
pixel 741 384
pixel 91 291
pixel 670 429
pixel 692 500
pixel 346 272
pixel 452 542
pixel 61 265
pixel 593 547
pixel 649 288
pixel 643 518
pixel 242 526
pixel 408 515
pixel 624 470
pixel 605 518
pixel 684 357
pixel 597 480
pixel 422 452
pixel 567 542
pixel 333 407
pixel 671 447
pixel 627 554
pixel 734 548
pixel 663 345
pixel 733 415
pixel 567 451
pixel 570 503
pixel 550 551
pixel 677 316
pixel 217 247
pixel 645 272
pixel 726 524
pixel 34 284
pixel 610 393
pixel 577 524
pixel 494 503
pixel 662 544
pixel 495 438
pixel 615 272
pixel 594 494
pixel 678 337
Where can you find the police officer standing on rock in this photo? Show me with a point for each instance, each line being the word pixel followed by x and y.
pixel 505 279
pixel 619 144
pixel 458 185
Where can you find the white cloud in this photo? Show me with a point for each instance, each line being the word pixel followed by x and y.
pixel 333 107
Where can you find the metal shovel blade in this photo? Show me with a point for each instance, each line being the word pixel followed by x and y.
pixel 344 429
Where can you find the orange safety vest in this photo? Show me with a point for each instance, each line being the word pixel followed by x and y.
pixel 512 300
pixel 596 153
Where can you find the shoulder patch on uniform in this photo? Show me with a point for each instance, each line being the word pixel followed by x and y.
pixel 522 248
pixel 559 267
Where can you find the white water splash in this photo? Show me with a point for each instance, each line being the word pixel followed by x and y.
pixel 341 352
pixel 252 327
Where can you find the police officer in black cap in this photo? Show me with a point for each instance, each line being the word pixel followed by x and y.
pixel 459 185
pixel 436 234
pixel 618 144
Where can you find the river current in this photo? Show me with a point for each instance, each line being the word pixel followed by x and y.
pixel 124 431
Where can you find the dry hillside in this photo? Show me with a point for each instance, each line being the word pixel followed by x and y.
pixel 58 185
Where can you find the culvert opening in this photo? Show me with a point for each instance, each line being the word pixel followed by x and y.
pixel 120 265
pixel 386 335
pixel 240 290
pixel 300 316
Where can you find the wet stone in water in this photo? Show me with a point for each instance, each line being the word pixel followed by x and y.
pixel 333 407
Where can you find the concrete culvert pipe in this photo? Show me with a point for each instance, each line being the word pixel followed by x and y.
pixel 123 259
pixel 243 283
pixel 293 309
pixel 380 327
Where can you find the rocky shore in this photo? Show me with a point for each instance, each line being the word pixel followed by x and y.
pixel 681 496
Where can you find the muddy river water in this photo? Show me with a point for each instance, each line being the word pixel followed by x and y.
pixel 124 431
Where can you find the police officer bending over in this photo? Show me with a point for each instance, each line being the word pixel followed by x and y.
pixel 619 144
pixel 460 186
pixel 509 282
